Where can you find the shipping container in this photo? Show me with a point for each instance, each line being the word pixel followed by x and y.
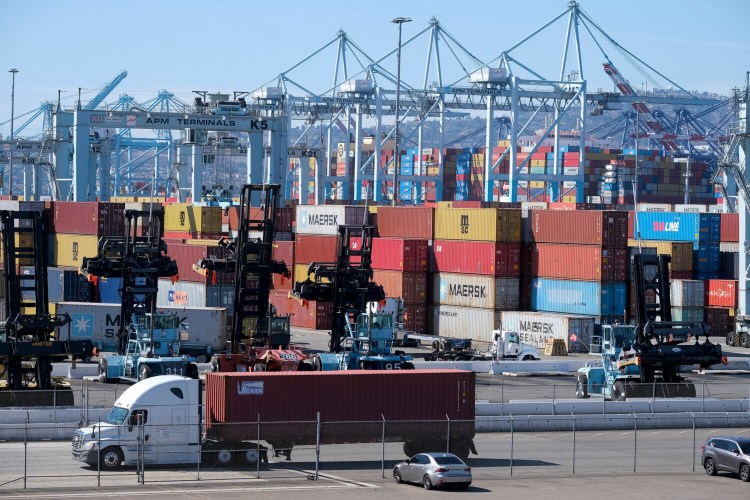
pixel 406 222
pixel 687 314
pixel 415 318
pixel 679 226
pixel 681 253
pixel 604 300
pixel 69 249
pixel 284 217
pixel 190 294
pixel 304 313
pixel 583 227
pixel 536 327
pixel 109 290
pixel 720 320
pixel 310 248
pixel 477 257
pixel 185 217
pixel 478 224
pixel 409 287
pixel 720 293
pixel 462 322
pixel 579 262
pixel 417 398
pixel 730 228
pixel 320 219
pixel 93 218
pixel 101 322
pixel 471 290
pixel 397 254
pixel 687 293
pixel 67 285
pixel 189 254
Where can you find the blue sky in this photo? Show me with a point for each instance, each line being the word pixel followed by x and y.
pixel 189 45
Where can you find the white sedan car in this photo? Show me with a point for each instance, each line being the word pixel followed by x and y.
pixel 434 469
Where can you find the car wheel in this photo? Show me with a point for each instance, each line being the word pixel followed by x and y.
pixel 582 386
pixel 745 472
pixel 111 458
pixel 710 466
pixel 397 476
pixel 426 482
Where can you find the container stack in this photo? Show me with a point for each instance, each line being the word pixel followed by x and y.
pixel 720 301
pixel 476 266
pixel 186 221
pixel 687 300
pixel 578 263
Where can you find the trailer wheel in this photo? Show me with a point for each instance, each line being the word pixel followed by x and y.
pixel 618 391
pixel 731 338
pixel 410 448
pixel 259 367
pixel 461 449
pixel 435 346
pixel 111 458
pixel 582 387
pixel 144 372
pixel 745 340
pixel 251 456
pixel 224 456
pixel 103 371
pixel 317 364
pixel 191 370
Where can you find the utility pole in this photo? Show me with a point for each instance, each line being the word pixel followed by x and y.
pixel 13 72
pixel 397 152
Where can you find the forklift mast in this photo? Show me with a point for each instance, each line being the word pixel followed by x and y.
pixel 140 259
pixel 249 258
pixel 29 326
pixel 347 282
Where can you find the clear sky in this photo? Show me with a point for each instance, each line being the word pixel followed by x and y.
pixel 229 45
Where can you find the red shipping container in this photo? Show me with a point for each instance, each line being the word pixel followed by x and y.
pixel 415 318
pixel 284 217
pixel 400 255
pixel 406 222
pixel 186 255
pixel 281 301
pixel 477 257
pixel 720 320
pixel 721 293
pixel 409 287
pixel 283 251
pixel 310 314
pixel 631 224
pixel 603 228
pixel 579 262
pixel 192 235
pixel 310 248
pixel 730 228
pixel 90 217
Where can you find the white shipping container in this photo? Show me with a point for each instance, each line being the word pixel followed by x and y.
pixel 687 293
pixel 101 322
pixel 570 170
pixel 473 290
pixel 190 294
pixel 716 209
pixel 463 322
pixel 320 219
pixel 729 246
pixel 697 209
pixel 654 207
pixel 536 327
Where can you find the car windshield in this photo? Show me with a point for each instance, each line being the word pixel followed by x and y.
pixel 448 461
pixel 117 416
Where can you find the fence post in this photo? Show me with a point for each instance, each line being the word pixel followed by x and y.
pixel 635 441
pixel 317 447
pixel 382 458
pixel 511 444
pixel 703 394
pixel 502 397
pixel 257 464
pixel 554 386
pixel 54 404
pixel 141 452
pixel 574 441
pixel 99 454
pixel 693 447
pixel 25 447
pixel 448 441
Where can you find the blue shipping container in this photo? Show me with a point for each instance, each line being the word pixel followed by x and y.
pixel 679 226
pixel 578 297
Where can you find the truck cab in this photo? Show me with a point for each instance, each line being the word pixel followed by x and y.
pixel 158 417
pixel 507 344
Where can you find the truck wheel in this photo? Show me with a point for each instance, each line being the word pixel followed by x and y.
pixel 461 449
pixel 745 340
pixel 410 448
pixel 618 391
pixel 435 346
pixel 732 337
pixel 110 458
pixel 582 387
pixel 317 364
pixel 144 372
pixel 408 365
pixel 251 456
pixel 442 346
pixel 224 457
pixel 103 371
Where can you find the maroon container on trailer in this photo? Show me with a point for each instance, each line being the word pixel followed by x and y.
pixel 406 222
pixel 583 227
pixel 721 293
pixel 477 257
pixel 720 320
pixel 409 287
pixel 310 248
pixel 415 318
pixel 397 254
pixel 90 217
pixel 579 262
pixel 419 396
pixel 311 314
pixel 730 228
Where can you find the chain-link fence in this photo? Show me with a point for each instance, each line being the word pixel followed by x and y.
pixel 146 452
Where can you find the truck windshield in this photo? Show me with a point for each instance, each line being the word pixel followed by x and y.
pixel 117 416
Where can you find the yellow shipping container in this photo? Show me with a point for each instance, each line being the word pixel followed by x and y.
pixel 300 273
pixel 681 252
pixel 569 199
pixel 70 249
pixel 187 217
pixel 538 163
pixel 478 224
pixel 52 306
pixel 536 184
pixel 503 143
pixel 22 240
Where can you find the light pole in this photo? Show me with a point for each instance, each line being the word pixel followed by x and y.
pixel 13 72
pixel 396 152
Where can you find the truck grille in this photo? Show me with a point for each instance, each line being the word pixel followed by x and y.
pixel 77 441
